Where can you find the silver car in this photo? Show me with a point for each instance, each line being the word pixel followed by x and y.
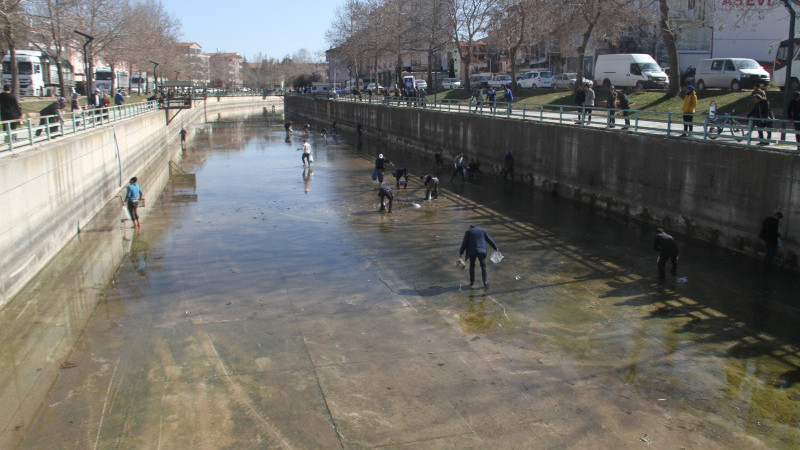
pixel 567 81
pixel 451 83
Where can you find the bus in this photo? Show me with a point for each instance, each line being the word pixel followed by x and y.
pixel 102 79
pixel 780 52
pixel 31 74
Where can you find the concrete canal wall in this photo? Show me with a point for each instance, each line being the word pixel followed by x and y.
pixel 714 192
pixel 48 192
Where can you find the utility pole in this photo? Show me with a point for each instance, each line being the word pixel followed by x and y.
pixel 86 66
pixel 787 95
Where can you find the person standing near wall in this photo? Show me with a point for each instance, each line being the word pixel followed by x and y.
pixel 474 243
pixel 667 248
pixel 770 235
pixel 458 163
pixel 183 138
pixel 689 105
pixel 132 197
pixel 794 116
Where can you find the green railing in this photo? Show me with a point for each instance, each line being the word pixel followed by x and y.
pixel 723 128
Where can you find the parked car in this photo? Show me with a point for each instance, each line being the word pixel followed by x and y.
pixel 732 73
pixel 498 81
pixel 629 70
pixel 371 87
pixel 451 83
pixel 477 81
pixel 568 80
pixel 421 84
pixel 536 79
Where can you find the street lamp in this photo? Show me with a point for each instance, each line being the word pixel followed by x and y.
pixel 86 74
pixel 155 78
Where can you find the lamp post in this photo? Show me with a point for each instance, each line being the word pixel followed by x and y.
pixel 86 74
pixel 787 80
pixel 155 78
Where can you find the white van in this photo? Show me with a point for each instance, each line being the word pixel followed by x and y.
pixel 732 73
pixel 629 70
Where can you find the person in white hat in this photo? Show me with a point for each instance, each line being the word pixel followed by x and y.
pixel 380 166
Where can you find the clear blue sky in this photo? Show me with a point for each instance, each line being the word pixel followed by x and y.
pixel 275 28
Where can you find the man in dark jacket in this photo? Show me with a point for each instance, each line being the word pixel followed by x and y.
pixel 770 235
pixel 380 166
pixel 474 243
pixel 580 98
pixel 431 183
pixel 668 249
pixel 761 110
pixel 9 106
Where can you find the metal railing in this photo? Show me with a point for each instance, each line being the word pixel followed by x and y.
pixel 739 130
pixel 15 134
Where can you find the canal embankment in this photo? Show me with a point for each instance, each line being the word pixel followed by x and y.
pixel 711 191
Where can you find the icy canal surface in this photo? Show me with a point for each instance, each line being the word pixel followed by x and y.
pixel 272 306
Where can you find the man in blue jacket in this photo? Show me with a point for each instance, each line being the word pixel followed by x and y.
pixel 474 244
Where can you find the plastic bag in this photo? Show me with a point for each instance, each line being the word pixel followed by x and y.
pixel 310 158
pixel 460 263
pixel 496 257
pixel 375 174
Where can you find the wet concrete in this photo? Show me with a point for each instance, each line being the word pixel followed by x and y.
pixel 275 307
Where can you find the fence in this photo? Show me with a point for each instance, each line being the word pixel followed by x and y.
pixel 738 130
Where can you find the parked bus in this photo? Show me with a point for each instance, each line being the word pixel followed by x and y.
pixel 102 79
pixel 780 52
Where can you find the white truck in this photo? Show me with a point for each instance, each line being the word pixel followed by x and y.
pixel 629 70
pixel 139 83
pixel 31 72
pixel 102 79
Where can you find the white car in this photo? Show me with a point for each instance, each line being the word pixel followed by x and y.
pixel 499 81
pixel 421 84
pixel 536 79
pixel 372 86
pixel 451 83
pixel 567 81
pixel 478 81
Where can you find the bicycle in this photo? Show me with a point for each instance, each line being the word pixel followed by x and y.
pixel 717 124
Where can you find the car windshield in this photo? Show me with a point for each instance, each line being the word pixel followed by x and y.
pixel 747 64
pixel 504 77
pixel 649 67
pixel 546 74
pixel 102 76
pixel 572 76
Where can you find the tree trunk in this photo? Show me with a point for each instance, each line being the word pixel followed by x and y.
pixel 430 68
pixel 89 75
pixel 670 41
pixel 582 51
pixel 12 51
pixel 62 86
pixel 113 80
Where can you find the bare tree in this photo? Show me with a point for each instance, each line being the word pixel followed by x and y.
pixel 52 29
pixel 469 20
pixel 432 25
pixel 11 24
pixel 671 42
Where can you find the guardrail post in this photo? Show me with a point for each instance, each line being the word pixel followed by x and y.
pixel 7 126
pixel 541 113
pixel 705 129
pixel 669 124
pixel 636 119
pixel 749 132
pixel 524 107
pixel 30 131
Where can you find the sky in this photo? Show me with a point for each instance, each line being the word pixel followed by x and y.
pixel 274 28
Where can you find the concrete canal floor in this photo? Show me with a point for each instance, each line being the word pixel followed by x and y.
pixel 279 309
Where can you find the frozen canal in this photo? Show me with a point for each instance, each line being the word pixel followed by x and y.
pixel 279 309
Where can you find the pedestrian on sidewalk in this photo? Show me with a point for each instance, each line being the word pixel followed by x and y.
pixel 770 235
pixel 689 105
pixel 763 112
pixel 384 193
pixel 474 243
pixel 668 250
pixel 580 98
pixel 380 167
pixel 611 104
pixel 588 103
pixel 458 163
pixel 431 184
pixel 508 96
pixel 133 195
pixel 119 98
pixel 491 96
pixel 9 107
pixel 625 106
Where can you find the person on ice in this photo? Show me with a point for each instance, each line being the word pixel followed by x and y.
pixel 384 193
pixel 380 166
pixel 668 249
pixel 474 244
pixel 401 175
pixel 306 158
pixel 431 186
